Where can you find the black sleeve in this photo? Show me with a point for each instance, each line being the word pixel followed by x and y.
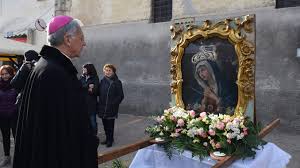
pixel 119 93
pixel 95 91
pixel 83 82
pixel 19 80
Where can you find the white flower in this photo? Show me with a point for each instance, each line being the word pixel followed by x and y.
pixel 181 113
pixel 184 131
pixel 230 136
pixel 196 141
pixel 174 134
pixel 167 112
pixel 205 120
pixel 241 136
pixel 242 125
pixel 229 126
pixel 158 119
pixel 212 126
pixel 234 134
pixel 236 130
pixel 213 116
pixel 221 116
pixel 205 144
pixel 191 123
pixel 236 121
pixel 161 134
pixel 192 132
pixel 226 118
pixel 166 128
pixel 200 131
pixel 157 129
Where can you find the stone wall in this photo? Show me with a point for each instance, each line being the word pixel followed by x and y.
pixel 112 11
pixel 141 52
pixel 196 7
pixel 115 11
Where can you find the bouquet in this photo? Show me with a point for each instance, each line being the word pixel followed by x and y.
pixel 205 133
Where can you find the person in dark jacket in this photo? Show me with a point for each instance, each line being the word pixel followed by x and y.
pixel 7 110
pixel 53 129
pixel 19 80
pixel 110 96
pixel 90 83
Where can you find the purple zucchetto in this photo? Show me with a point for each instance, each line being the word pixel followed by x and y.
pixel 58 22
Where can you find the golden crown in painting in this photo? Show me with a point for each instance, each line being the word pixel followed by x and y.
pixel 206 52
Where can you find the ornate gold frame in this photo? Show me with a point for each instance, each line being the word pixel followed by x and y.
pixel 234 30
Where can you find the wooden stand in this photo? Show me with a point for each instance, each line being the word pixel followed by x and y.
pixel 124 150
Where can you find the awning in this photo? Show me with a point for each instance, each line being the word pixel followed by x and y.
pixel 10 49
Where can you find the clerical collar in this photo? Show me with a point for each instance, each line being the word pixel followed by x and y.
pixel 64 54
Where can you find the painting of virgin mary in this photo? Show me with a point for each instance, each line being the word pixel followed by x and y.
pixel 212 93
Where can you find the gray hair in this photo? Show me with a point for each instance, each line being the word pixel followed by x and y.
pixel 57 38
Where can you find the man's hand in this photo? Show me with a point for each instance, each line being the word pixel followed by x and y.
pixel 91 87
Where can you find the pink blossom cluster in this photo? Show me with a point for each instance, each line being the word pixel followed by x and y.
pixel 204 128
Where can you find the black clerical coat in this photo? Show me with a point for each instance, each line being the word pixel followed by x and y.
pixel 53 128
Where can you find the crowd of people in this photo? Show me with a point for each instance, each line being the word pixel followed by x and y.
pixel 50 112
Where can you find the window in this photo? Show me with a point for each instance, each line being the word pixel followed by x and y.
pixel 161 10
pixel 287 3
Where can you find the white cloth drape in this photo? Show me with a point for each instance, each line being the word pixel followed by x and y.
pixel 153 156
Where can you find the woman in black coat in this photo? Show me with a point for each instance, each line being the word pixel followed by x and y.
pixel 8 110
pixel 110 96
pixel 90 83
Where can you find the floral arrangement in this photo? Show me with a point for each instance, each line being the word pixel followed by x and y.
pixel 205 133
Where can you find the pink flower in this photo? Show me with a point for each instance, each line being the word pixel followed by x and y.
pixel 218 145
pixel 212 142
pixel 211 132
pixel 200 131
pixel 226 120
pixel 245 131
pixel 220 125
pixel 178 130
pixel 180 123
pixel 236 120
pixel 229 141
pixel 203 114
pixel 192 113
pixel 158 119
pixel 203 135
pixel 173 118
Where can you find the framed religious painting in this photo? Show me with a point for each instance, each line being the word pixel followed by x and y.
pixel 213 65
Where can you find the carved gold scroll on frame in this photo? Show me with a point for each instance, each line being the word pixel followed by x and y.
pixel 213 65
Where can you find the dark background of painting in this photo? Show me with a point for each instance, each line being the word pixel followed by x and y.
pixel 226 60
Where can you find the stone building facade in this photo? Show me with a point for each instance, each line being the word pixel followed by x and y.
pixel 123 33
